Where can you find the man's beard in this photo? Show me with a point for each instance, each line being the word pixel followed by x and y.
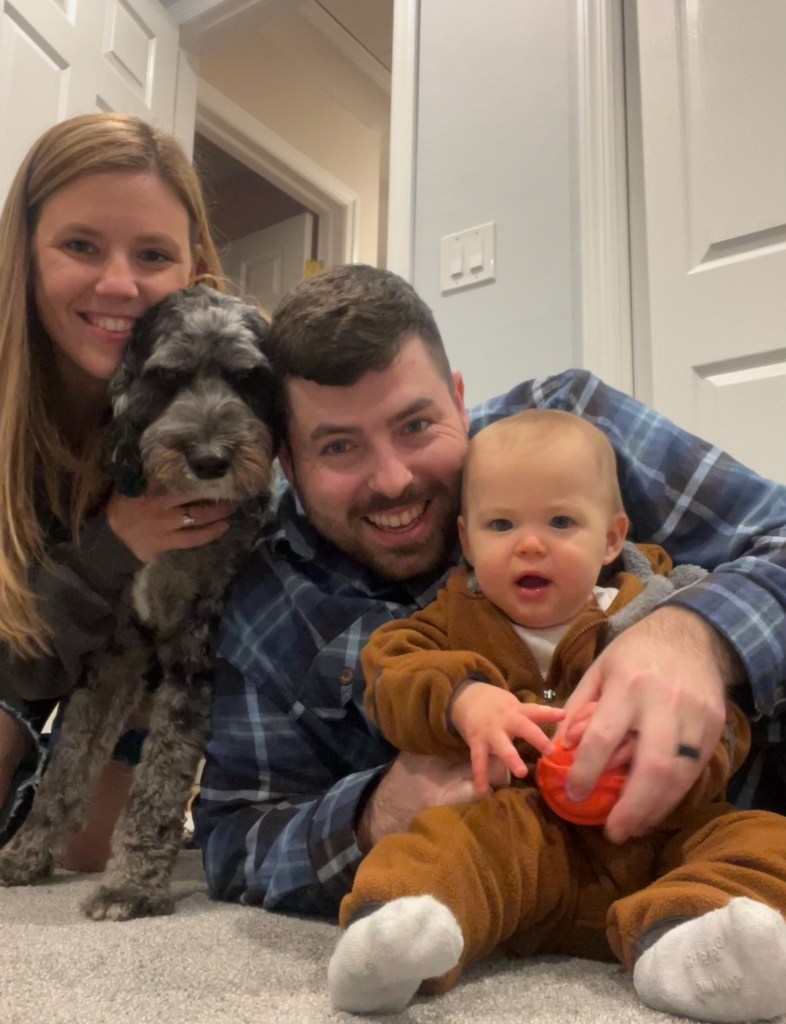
pixel 397 562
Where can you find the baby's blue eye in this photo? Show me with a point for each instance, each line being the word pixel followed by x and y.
pixel 500 525
pixel 561 522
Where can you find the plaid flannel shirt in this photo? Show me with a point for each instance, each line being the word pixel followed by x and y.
pixel 292 756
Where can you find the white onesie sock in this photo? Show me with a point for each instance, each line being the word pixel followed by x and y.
pixel 727 966
pixel 381 959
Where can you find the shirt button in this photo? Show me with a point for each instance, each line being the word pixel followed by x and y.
pixel 346 676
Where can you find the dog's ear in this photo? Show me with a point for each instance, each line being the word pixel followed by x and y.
pixel 124 457
pixel 257 324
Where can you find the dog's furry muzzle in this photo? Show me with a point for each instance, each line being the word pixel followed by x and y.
pixel 207 446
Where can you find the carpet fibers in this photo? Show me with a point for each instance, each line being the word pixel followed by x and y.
pixel 214 963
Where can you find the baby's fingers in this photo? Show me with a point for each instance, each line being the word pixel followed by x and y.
pixel 502 748
pixel 479 757
pixel 527 726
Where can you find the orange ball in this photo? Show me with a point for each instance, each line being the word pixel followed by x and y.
pixel 550 775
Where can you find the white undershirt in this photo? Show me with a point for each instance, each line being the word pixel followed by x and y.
pixel 543 641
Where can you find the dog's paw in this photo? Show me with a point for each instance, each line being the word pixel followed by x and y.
pixel 22 865
pixel 122 903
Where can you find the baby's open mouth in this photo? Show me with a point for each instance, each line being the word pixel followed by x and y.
pixel 532 582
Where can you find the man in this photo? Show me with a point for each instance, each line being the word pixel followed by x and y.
pixel 297 784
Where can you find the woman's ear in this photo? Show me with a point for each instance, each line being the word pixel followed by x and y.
pixel 615 536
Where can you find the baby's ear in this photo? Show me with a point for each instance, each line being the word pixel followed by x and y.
pixel 615 536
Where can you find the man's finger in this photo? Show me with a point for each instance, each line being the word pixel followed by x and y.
pixel 658 780
pixel 604 734
pixel 586 693
pixel 643 805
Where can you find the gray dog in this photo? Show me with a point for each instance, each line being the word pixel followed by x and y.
pixel 192 402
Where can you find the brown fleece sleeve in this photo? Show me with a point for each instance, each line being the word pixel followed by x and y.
pixel 410 677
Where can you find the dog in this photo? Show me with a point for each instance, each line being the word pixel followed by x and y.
pixel 192 402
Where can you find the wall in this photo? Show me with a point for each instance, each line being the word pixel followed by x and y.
pixel 290 78
pixel 495 131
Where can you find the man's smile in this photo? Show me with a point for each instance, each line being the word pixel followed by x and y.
pixel 397 519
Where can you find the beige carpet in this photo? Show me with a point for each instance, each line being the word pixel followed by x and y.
pixel 213 963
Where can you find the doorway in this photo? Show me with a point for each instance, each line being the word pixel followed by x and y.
pixel 268 240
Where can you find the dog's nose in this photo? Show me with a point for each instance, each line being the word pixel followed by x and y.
pixel 208 467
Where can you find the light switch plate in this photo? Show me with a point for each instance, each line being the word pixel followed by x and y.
pixel 468 258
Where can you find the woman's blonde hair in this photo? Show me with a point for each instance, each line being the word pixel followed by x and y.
pixel 33 455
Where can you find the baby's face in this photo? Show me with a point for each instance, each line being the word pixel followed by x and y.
pixel 538 528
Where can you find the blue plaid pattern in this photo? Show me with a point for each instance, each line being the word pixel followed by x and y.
pixel 292 756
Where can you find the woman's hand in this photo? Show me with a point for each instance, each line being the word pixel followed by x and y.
pixel 159 522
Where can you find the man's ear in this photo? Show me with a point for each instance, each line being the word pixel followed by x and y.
pixel 285 461
pixel 615 537
pixel 458 397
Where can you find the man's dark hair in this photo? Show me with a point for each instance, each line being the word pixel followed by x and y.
pixel 332 329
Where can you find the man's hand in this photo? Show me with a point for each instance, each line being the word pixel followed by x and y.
pixel 413 783
pixel 664 679
pixel 489 719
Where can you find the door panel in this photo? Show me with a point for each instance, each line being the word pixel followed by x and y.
pixel 59 58
pixel 267 263
pixel 707 126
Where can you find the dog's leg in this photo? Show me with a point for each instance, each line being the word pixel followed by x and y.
pixel 149 835
pixel 92 723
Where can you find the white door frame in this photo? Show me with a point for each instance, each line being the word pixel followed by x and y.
pixel 229 126
pixel 606 319
pixel 605 297
pixel 403 141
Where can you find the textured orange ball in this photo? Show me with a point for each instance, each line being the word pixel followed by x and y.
pixel 550 775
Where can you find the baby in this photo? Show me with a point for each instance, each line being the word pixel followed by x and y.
pixel 693 910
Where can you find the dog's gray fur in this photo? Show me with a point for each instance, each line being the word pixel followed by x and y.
pixel 191 405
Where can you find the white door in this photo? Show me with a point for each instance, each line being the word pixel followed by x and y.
pixel 707 146
pixel 64 57
pixel 266 264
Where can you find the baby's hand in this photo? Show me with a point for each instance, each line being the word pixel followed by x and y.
pixel 488 719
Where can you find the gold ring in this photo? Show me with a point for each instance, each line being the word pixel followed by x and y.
pixel 188 520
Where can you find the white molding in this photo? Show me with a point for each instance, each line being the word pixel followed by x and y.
pixel 403 137
pixel 607 344
pixel 209 24
pixel 185 100
pixel 348 45
pixel 227 125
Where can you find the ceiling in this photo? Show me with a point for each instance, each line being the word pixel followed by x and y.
pixel 369 23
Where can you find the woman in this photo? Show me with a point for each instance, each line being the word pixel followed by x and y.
pixel 104 218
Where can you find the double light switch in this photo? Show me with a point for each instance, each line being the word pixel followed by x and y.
pixel 467 258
